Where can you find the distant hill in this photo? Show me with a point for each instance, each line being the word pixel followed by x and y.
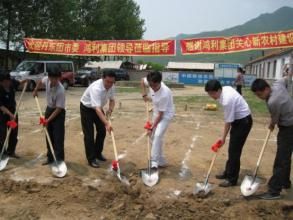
pixel 281 19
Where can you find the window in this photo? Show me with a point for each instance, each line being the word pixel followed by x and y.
pixel 66 67
pixel 53 67
pixel 274 68
pixel 259 70
pixel 268 70
pixel 37 68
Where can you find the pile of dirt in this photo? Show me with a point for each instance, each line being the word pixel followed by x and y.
pixel 71 198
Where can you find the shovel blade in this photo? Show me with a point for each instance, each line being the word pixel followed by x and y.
pixel 202 188
pixel 122 178
pixel 150 179
pixel 249 185
pixel 3 162
pixel 59 169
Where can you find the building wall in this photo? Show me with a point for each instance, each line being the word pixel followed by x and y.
pixel 271 68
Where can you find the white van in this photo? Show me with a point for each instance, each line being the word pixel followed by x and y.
pixel 35 70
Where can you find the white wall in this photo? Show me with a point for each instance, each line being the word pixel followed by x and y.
pixel 263 73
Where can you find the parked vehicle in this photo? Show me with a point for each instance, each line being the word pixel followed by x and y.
pixel 86 75
pixel 121 74
pixel 35 70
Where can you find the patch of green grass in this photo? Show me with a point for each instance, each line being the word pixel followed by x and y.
pixel 256 105
pixel 127 89
pixel 192 99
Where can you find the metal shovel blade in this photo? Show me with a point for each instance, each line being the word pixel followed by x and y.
pixel 249 185
pixel 150 178
pixel 202 188
pixel 3 162
pixel 59 169
pixel 122 178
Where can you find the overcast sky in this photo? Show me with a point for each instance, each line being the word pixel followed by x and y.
pixel 168 18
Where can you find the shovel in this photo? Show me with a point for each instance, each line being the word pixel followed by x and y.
pixel 250 184
pixel 149 177
pixel 59 168
pixel 4 158
pixel 115 163
pixel 205 187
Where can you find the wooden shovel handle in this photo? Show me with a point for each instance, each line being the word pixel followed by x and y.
pixel 210 168
pixel 45 129
pixel 148 137
pixel 113 141
pixel 262 152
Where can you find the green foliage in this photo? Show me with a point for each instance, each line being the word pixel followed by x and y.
pixel 155 66
pixel 70 19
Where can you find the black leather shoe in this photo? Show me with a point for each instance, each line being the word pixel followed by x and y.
pixel 14 156
pixel 101 158
pixel 269 196
pixel 287 186
pixel 221 176
pixel 94 164
pixel 226 183
pixel 47 162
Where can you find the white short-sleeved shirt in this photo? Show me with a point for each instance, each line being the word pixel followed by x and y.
pixel 162 100
pixel 96 95
pixel 55 95
pixel 235 107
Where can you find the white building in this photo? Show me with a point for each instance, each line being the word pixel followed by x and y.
pixel 270 66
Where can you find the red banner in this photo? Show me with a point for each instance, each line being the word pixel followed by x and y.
pixel 218 45
pixel 101 48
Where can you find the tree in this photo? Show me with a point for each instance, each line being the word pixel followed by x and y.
pixel 69 19
pixel 125 20
pixel 8 28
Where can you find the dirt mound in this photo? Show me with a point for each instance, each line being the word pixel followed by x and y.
pixel 71 198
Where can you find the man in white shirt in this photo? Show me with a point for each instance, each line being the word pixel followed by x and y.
pixel 163 112
pixel 238 121
pixel 92 114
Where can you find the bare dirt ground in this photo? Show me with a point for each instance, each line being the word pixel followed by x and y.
pixel 29 191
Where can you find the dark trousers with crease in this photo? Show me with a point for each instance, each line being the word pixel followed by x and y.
pixel 239 89
pixel 93 145
pixel 282 164
pixel 12 141
pixel 56 130
pixel 238 134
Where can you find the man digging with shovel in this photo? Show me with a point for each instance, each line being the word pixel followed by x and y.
pixel 163 112
pixel 238 121
pixel 54 118
pixel 7 110
pixel 92 114
pixel 280 106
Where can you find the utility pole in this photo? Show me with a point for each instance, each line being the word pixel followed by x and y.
pixel 290 73
pixel 7 4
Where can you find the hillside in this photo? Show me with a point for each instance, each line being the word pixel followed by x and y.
pixel 281 19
